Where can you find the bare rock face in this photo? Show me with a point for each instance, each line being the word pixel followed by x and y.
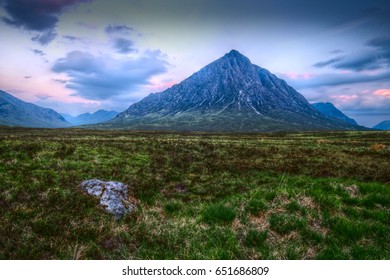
pixel 113 196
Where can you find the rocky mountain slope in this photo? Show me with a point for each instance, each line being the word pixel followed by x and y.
pixel 15 112
pixel 385 125
pixel 229 94
pixel 331 111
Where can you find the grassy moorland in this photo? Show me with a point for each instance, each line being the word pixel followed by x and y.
pixel 198 196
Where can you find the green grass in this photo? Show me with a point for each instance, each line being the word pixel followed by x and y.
pixel 198 196
pixel 218 213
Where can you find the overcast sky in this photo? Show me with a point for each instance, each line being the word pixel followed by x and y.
pixel 79 56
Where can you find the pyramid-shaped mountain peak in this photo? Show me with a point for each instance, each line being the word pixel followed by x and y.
pixel 235 54
pixel 229 94
pixel 235 58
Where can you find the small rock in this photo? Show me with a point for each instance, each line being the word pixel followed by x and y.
pixel 113 196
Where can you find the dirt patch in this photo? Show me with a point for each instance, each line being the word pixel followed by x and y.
pixel 352 190
pixel 260 222
pixel 306 202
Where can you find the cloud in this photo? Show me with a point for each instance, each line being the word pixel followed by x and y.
pixel 117 34
pixel 335 79
pixel 71 38
pixel 336 52
pixel 322 64
pixel 381 43
pixel 104 77
pixel 377 57
pixel 370 60
pixel 39 16
pixel 61 81
pixel 45 37
pixel 87 25
pixel 124 46
pixel 38 52
pixel 383 92
pixel 118 28
pixel 43 96
pixel 27 77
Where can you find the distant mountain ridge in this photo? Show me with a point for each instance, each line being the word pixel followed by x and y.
pixel 331 111
pixel 88 118
pixel 229 94
pixel 15 112
pixel 385 125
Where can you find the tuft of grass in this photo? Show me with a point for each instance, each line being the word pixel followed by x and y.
pixel 255 238
pixel 284 223
pixel 255 206
pixel 218 214
pixel 172 208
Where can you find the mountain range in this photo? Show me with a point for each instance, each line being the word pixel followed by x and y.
pixel 385 125
pixel 88 118
pixel 15 112
pixel 331 111
pixel 232 95
pixel 229 95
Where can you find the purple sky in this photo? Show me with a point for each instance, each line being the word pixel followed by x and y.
pixel 79 56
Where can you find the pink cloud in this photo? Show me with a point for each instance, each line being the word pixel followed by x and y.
pixel 161 86
pixel 383 92
pixel 296 76
pixel 344 97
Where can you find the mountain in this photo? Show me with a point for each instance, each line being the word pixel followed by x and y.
pixel 88 118
pixel 15 112
pixel 328 109
pixel 385 125
pixel 229 94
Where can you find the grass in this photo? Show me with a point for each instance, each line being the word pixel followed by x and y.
pixel 198 196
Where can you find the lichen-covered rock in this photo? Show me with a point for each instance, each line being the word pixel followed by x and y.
pixel 113 196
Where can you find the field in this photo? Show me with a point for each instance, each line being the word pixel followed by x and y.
pixel 199 196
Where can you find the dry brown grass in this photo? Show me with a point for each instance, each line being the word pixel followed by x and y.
pixel 377 147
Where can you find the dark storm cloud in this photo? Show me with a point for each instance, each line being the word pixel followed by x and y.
pixel 124 46
pixel 103 77
pixel 36 15
pixel 328 62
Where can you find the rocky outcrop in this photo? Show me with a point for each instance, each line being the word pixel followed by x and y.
pixel 113 196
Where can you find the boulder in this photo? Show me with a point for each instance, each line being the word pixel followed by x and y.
pixel 113 196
